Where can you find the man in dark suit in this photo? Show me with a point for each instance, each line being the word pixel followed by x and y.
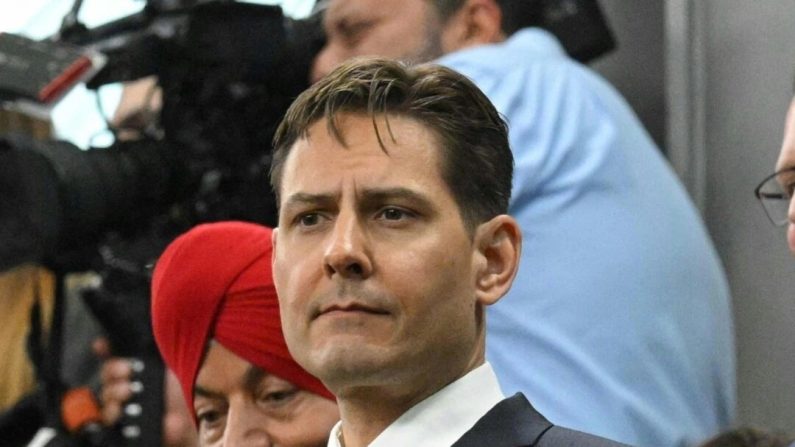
pixel 393 185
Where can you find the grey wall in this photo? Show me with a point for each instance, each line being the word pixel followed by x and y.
pixel 749 70
pixel 743 67
pixel 636 66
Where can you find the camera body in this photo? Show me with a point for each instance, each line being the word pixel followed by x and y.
pixel 227 72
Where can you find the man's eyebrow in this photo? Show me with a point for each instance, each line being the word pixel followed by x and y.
pixel 199 391
pixel 302 198
pixel 252 377
pixel 250 380
pixel 367 195
pixel 379 195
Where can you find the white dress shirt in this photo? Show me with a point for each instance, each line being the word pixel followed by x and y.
pixel 441 419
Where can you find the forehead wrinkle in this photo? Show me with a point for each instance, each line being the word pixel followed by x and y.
pixel 362 150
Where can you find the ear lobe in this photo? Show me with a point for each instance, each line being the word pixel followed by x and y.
pixel 499 246
pixel 477 22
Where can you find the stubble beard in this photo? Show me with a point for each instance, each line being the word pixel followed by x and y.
pixel 353 365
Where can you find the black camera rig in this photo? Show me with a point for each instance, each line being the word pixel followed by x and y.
pixel 227 72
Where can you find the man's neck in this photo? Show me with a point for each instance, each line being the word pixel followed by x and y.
pixel 363 419
pixel 367 411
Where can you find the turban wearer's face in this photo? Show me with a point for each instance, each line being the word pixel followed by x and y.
pixel 238 403
pixel 212 290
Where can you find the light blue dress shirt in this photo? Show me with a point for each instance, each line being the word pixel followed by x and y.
pixel 619 321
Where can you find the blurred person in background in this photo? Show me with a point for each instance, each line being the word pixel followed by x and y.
pixel 776 190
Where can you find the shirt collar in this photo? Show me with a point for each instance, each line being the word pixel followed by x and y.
pixel 442 418
pixel 534 42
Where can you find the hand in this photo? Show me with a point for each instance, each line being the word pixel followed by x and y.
pixel 116 381
pixel 118 387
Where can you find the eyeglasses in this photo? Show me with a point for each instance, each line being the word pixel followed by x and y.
pixel 775 193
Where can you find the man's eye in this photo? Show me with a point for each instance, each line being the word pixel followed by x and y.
pixel 278 397
pixel 281 395
pixel 209 419
pixel 353 32
pixel 308 220
pixel 394 214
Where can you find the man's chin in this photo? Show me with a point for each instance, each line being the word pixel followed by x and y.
pixel 350 363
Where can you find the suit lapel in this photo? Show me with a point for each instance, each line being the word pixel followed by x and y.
pixel 512 422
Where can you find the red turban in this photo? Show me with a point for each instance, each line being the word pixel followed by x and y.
pixel 215 281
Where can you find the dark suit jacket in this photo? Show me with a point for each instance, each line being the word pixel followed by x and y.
pixel 515 423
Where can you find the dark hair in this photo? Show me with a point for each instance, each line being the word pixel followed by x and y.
pixel 476 161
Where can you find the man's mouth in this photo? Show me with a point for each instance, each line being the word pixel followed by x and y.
pixel 350 308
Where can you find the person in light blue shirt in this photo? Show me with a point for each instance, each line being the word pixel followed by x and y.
pixel 620 307
pixel 619 322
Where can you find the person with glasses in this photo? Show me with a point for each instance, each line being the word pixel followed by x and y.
pixel 775 191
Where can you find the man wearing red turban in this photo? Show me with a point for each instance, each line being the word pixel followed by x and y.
pixel 215 316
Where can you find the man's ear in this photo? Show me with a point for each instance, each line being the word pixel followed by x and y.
pixel 476 22
pixel 498 246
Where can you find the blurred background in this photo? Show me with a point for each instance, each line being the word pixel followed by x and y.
pixel 712 80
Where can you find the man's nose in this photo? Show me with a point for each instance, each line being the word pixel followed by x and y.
pixel 245 426
pixel 347 252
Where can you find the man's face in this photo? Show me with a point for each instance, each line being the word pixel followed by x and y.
pixel 786 159
pixel 372 261
pixel 401 29
pixel 238 404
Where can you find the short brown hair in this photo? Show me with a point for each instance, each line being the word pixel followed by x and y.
pixel 477 164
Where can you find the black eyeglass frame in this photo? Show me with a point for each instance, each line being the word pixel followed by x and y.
pixel 772 196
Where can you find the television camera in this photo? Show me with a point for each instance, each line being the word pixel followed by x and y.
pixel 227 72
